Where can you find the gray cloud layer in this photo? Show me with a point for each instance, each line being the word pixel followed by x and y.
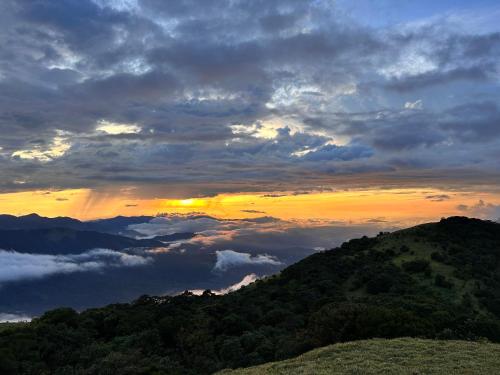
pixel 190 87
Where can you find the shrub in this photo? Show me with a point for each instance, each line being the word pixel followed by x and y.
pixel 440 281
pixel 404 249
pixel 416 266
pixel 438 257
pixel 379 284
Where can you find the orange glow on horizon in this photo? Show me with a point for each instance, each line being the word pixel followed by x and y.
pixel 403 206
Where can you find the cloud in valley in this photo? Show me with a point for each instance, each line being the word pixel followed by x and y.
pixel 21 266
pixel 248 279
pixel 227 259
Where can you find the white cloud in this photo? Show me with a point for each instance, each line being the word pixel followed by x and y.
pixel 414 105
pixel 19 266
pixel 229 258
pixel 412 62
pixel 204 226
pixel 114 128
pixel 248 279
pixel 165 225
pixel 55 150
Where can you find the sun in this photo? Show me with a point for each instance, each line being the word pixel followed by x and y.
pixel 186 202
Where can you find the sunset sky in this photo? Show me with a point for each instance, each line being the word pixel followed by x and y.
pixel 308 111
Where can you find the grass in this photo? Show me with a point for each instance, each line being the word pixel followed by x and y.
pixel 405 356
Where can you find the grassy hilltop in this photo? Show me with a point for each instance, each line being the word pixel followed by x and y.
pixel 405 356
pixel 438 281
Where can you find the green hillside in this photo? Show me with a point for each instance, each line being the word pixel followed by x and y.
pixel 403 356
pixel 438 280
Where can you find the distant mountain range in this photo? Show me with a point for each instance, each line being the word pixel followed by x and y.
pixel 64 235
pixel 66 241
pixel 34 221
pixel 51 262
pixel 115 225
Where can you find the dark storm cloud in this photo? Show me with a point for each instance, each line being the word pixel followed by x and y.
pixel 407 136
pixel 231 94
pixel 474 122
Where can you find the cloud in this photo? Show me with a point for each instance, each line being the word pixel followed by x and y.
pixel 474 122
pixel 203 225
pixel 14 318
pixel 171 224
pixel 248 279
pixel 226 96
pixel 438 197
pixel 344 153
pixel 433 78
pixel 227 259
pixel 414 105
pixel 22 266
pixel 482 210
pixel 262 233
pixel 377 220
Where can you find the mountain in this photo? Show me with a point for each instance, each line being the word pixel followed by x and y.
pixel 405 356
pixel 438 280
pixel 115 225
pixel 66 241
pixel 64 235
pixel 175 237
pixel 34 221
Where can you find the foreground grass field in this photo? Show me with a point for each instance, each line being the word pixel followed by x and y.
pixel 398 356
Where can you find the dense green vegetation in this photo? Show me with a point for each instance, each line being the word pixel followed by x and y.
pixel 9 325
pixel 438 280
pixel 405 356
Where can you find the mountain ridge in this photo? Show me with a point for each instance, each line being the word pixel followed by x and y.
pixel 33 233
pixel 113 225
pixel 58 240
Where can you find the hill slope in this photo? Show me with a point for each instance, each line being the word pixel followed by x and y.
pixel 403 356
pixel 438 280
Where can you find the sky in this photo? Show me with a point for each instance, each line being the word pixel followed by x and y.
pixel 308 111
